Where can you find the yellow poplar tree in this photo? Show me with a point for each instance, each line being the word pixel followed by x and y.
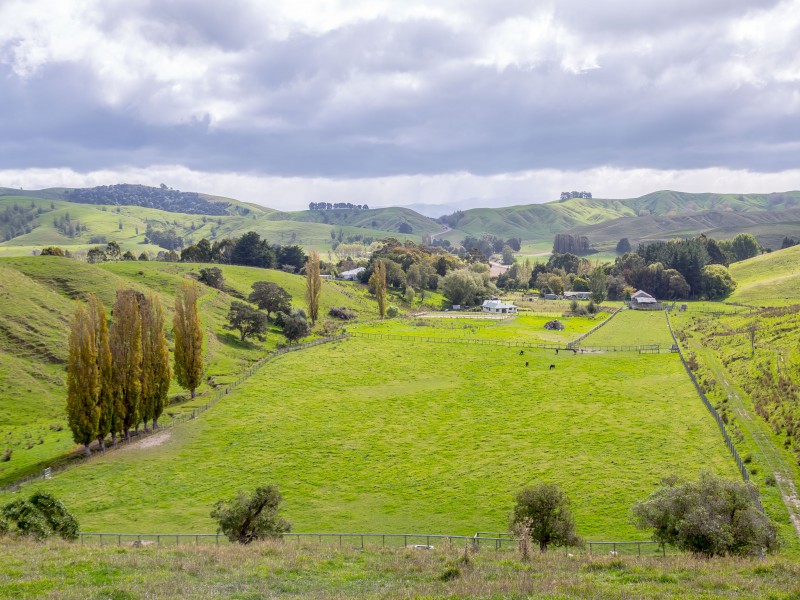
pixel 105 398
pixel 126 353
pixel 188 338
pixel 313 286
pixel 83 381
pixel 156 372
pixel 377 282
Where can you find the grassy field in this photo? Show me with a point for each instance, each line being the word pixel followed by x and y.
pixel 523 328
pixel 270 570
pixel 632 328
pixel 38 295
pixel 768 280
pixel 365 436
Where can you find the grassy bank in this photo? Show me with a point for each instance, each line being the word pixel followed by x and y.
pixel 284 569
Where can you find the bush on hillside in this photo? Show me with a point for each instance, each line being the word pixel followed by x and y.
pixel 709 517
pixel 343 313
pixel 392 311
pixel 245 519
pixel 39 517
pixel 212 277
pixel 295 325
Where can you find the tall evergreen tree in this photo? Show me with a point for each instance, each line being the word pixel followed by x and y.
pixel 156 371
pixel 377 282
pixel 105 398
pixel 126 351
pixel 83 382
pixel 313 285
pixel 188 338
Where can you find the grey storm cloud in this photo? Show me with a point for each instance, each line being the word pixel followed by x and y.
pixel 570 85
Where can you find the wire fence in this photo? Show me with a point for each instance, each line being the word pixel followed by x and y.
pixel 423 541
pixel 218 394
pixel 576 342
pixel 567 346
pixel 723 429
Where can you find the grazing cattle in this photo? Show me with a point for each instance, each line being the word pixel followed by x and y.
pixel 521 352
pixel 556 350
pixel 526 363
pixel 574 351
pixel 552 366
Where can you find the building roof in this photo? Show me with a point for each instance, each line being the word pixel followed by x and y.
pixel 641 294
pixel 497 303
pixel 352 272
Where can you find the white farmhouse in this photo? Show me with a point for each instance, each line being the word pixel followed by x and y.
pixel 498 307
pixel 351 275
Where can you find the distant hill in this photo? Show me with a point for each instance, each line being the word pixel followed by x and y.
pixel 381 219
pixel 659 215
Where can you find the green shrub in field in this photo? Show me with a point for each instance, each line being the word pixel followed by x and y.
pixel 246 519
pixel 710 517
pixel 392 311
pixel 542 514
pixel 39 517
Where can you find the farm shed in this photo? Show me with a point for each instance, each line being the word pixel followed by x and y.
pixel 577 295
pixel 643 301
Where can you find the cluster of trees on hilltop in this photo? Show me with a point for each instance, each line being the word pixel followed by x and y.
pixel 336 206
pixel 162 198
pixel 17 220
pixel 248 250
pixel 565 243
pixel 568 195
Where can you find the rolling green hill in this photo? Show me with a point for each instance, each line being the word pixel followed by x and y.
pixel 659 215
pixel 37 296
pixel 769 279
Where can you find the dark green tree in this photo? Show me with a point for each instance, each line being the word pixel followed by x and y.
pixel 623 246
pixel 252 251
pixel 212 277
pixel 38 517
pixel 270 297
pixel 248 321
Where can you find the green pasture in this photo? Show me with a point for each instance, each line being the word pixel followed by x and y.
pixel 37 296
pixel 521 328
pixel 768 280
pixel 127 225
pixel 632 328
pixel 389 436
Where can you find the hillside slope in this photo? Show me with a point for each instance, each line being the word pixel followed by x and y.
pixel 37 301
pixel 768 280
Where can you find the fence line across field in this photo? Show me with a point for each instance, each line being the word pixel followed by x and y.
pixel 495 541
pixel 568 346
pixel 724 430
pixel 218 394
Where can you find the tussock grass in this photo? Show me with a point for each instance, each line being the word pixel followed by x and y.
pixel 283 569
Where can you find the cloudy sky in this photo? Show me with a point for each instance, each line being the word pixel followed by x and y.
pixel 401 101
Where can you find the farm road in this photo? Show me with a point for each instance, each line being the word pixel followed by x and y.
pixel 755 428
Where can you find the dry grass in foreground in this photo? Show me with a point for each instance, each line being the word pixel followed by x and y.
pixel 284 569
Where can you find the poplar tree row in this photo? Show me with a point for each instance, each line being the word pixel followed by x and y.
pixel 118 377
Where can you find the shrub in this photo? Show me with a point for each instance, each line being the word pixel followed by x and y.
pixel 295 326
pixel 212 277
pixel 39 517
pixel 748 458
pixel 392 311
pixel 345 314
pixel 245 519
pixel 543 513
pixel 709 517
